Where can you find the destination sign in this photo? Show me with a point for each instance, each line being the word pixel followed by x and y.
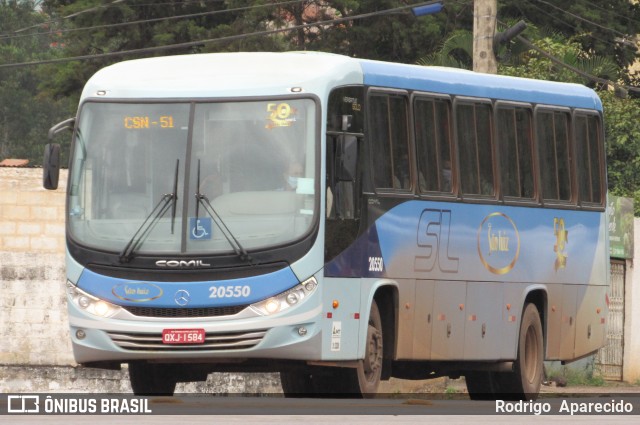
pixel 144 122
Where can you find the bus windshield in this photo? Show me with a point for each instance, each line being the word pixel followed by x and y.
pixel 254 163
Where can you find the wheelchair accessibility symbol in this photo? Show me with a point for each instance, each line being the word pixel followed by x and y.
pixel 200 228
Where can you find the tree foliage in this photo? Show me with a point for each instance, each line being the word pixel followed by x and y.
pixel 622 128
pixel 603 28
pixel 25 112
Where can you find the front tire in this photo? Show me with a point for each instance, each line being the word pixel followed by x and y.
pixel 363 381
pixel 370 368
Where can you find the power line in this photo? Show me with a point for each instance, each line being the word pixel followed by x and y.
pixel 327 22
pixel 145 21
pixel 556 18
pixel 580 18
pixel 90 9
pixel 570 67
pixel 573 69
pixel 183 2
pixel 611 11
pixel 114 3
pixel 561 63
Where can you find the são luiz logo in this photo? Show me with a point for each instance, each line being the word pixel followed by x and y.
pixel 498 243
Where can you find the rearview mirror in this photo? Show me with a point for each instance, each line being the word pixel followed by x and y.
pixel 51 166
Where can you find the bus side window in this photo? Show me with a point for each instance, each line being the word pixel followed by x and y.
pixel 389 141
pixel 553 150
pixel 514 144
pixel 588 158
pixel 475 148
pixel 433 144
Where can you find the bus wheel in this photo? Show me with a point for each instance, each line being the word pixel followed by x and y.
pixel 364 380
pixel 524 382
pixel 152 379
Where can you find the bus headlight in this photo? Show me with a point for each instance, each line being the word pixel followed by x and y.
pixel 286 299
pixel 89 303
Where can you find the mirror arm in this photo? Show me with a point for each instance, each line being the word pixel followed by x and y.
pixel 67 124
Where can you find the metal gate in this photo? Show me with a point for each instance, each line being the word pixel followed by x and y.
pixel 609 358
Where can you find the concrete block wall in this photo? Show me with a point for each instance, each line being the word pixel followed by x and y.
pixel 31 218
pixel 33 322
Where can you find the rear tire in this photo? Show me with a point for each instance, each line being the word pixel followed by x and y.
pixel 152 379
pixel 524 382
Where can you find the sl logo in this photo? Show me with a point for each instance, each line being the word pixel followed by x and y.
pixel 562 239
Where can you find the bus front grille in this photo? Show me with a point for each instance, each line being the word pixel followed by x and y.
pixel 184 312
pixel 213 341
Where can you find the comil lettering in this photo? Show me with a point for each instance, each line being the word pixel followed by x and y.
pixel 182 263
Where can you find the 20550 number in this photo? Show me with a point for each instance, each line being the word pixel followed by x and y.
pixel 230 291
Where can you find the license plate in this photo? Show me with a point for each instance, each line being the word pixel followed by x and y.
pixel 183 336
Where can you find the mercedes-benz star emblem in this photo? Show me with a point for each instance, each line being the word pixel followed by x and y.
pixel 182 297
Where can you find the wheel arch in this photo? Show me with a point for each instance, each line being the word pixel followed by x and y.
pixel 537 295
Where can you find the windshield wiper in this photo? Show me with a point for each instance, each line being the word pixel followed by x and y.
pixel 175 196
pixel 167 200
pixel 202 199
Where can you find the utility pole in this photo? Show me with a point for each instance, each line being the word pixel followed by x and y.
pixel 484 28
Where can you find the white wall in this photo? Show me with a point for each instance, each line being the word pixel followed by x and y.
pixel 631 360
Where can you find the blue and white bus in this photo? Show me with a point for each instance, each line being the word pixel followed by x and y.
pixel 338 220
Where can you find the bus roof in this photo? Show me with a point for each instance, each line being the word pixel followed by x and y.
pixel 467 83
pixel 261 74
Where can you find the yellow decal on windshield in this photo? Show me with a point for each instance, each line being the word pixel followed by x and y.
pixel 280 115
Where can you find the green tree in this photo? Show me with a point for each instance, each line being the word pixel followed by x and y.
pixel 25 113
pixel 396 37
pixel 525 62
pixel 603 28
pixel 90 27
pixel 622 128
